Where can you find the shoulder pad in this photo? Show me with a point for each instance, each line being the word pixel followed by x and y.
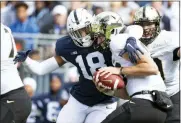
pixel 134 31
pixel 61 44
pixel 118 42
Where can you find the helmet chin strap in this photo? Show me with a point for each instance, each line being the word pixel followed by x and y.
pixel 87 41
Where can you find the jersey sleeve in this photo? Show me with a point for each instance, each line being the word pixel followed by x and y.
pixel 118 43
pixel 173 44
pixel 8 47
pixel 134 31
pixel 172 41
pixel 58 47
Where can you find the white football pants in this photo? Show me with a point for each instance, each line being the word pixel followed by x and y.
pixel 76 112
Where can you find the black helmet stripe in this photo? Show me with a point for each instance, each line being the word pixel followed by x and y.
pixel 76 18
pixel 144 9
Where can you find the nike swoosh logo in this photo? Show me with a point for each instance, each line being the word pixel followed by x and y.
pixel 132 102
pixel 130 46
pixel 109 107
pixel 168 106
pixel 10 101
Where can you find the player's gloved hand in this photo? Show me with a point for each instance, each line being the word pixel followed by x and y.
pixel 132 49
pixel 21 56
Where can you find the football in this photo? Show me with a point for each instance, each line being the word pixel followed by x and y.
pixel 112 82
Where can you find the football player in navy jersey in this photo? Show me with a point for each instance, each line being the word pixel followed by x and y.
pixel 86 104
pixel 35 115
pixel 49 104
pixel 30 87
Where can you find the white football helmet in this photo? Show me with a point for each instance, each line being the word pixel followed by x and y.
pixel 79 27
pixel 146 16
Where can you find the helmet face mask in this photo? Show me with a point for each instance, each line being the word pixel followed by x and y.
pixel 102 28
pixel 149 18
pixel 82 36
pixel 149 32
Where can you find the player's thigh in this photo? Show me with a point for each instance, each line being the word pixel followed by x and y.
pixel 99 112
pixel 96 117
pixel 72 112
pixel 20 104
pixel 7 114
pixel 173 116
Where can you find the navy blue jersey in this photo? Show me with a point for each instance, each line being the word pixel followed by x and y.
pixel 50 107
pixel 35 115
pixel 87 60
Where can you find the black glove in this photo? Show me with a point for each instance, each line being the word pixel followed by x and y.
pixel 131 48
pixel 21 56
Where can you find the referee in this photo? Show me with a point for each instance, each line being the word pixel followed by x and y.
pixel 15 102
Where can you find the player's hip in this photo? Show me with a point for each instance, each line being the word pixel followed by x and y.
pixel 74 102
pixel 92 99
pixel 17 103
pixel 134 112
pixel 172 89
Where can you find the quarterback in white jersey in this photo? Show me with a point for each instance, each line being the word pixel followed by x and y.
pixel 15 103
pixel 135 83
pixel 142 77
pixel 9 71
pixel 164 48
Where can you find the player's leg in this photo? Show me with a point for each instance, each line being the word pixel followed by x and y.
pixel 137 111
pixel 6 113
pixel 98 113
pixel 72 112
pixel 19 103
pixel 174 115
pixel 22 105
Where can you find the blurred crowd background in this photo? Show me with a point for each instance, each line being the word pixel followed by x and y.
pixel 37 25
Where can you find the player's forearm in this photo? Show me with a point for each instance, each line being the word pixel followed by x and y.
pixel 42 68
pixel 142 69
pixel 121 93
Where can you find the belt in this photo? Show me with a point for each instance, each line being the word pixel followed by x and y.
pixel 142 92
pixel 11 92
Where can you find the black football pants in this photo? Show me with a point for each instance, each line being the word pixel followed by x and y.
pixel 137 111
pixel 174 115
pixel 15 106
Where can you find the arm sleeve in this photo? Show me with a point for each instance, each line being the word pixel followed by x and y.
pixel 172 41
pixel 42 68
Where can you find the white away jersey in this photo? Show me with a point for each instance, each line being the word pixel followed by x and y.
pixel 134 84
pixel 161 49
pixel 10 79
